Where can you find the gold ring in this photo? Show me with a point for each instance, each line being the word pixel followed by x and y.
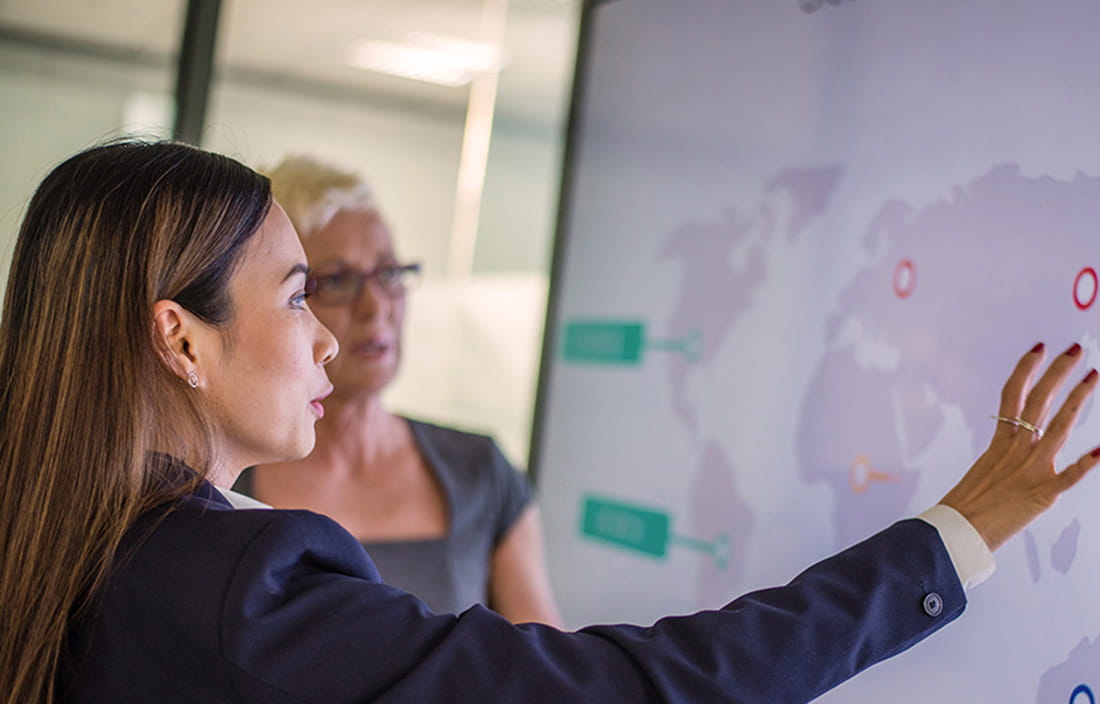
pixel 1020 423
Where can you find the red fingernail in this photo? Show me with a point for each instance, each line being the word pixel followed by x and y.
pixel 1074 351
pixel 1096 452
pixel 1037 348
pixel 1091 376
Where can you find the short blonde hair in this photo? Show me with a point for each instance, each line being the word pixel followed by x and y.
pixel 312 191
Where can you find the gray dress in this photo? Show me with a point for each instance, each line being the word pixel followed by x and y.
pixel 484 494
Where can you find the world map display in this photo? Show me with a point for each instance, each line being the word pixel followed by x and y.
pixel 792 289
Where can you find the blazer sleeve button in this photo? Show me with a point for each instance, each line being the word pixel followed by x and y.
pixel 933 604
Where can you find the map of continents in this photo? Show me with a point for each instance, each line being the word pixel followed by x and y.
pixel 703 252
pixel 1004 254
pixel 917 328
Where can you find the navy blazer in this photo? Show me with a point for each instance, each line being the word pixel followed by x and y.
pixel 212 604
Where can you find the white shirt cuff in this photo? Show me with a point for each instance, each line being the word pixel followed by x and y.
pixel 969 554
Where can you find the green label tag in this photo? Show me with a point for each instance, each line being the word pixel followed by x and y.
pixel 631 527
pixel 604 342
pixel 644 530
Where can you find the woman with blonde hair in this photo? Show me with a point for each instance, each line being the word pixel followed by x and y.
pixel 155 341
pixel 440 511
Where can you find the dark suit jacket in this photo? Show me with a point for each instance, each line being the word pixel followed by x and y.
pixel 212 604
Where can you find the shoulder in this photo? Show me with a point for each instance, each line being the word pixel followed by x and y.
pixel 198 538
pixel 229 583
pixel 448 438
pixel 473 465
pixel 452 450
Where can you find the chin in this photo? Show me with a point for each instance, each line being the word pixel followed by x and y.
pixel 369 378
pixel 362 386
pixel 299 449
pixel 305 449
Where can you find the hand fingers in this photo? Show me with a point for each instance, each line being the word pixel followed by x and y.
pixel 1066 417
pixel 1075 472
pixel 1012 396
pixel 1039 400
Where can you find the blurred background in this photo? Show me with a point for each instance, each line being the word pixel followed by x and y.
pixel 454 111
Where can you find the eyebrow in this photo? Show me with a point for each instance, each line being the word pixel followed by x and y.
pixel 298 268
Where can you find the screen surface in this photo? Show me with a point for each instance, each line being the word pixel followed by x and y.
pixel 805 243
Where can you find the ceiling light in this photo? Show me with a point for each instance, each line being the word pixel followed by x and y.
pixel 434 58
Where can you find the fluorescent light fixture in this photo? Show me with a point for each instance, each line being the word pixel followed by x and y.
pixel 434 58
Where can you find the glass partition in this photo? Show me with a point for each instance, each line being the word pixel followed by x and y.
pixel 72 74
pixel 454 113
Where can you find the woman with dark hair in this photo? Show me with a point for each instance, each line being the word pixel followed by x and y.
pixel 155 341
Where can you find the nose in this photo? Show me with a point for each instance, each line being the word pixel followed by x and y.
pixel 372 302
pixel 326 347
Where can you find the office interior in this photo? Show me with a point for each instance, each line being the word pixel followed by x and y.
pixel 453 111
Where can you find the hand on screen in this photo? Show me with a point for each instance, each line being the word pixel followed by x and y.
pixel 1015 480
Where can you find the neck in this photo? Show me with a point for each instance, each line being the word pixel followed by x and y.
pixel 221 477
pixel 355 432
pixel 224 468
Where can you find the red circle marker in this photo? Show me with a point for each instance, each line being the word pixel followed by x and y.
pixel 1086 278
pixel 905 278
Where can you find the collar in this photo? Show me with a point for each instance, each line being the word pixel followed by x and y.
pixel 239 500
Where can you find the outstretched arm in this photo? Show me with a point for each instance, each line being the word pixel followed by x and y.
pixel 306 619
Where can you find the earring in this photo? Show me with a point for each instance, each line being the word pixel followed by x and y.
pixel 193 380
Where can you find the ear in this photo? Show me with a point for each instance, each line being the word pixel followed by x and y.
pixel 175 333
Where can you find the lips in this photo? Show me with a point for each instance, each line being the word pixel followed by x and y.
pixel 315 404
pixel 371 347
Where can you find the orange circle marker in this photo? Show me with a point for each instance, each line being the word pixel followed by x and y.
pixel 861 474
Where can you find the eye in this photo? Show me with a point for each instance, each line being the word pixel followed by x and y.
pixel 389 275
pixel 299 299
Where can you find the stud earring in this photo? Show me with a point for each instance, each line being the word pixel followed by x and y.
pixel 193 380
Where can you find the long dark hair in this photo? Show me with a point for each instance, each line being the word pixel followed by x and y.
pixel 85 392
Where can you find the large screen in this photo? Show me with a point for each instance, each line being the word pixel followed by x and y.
pixel 803 244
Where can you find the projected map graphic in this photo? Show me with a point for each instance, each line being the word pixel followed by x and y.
pixel 805 247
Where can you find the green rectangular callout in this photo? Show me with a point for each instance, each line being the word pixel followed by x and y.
pixel 604 341
pixel 627 526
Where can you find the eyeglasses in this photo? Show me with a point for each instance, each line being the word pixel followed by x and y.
pixel 344 287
